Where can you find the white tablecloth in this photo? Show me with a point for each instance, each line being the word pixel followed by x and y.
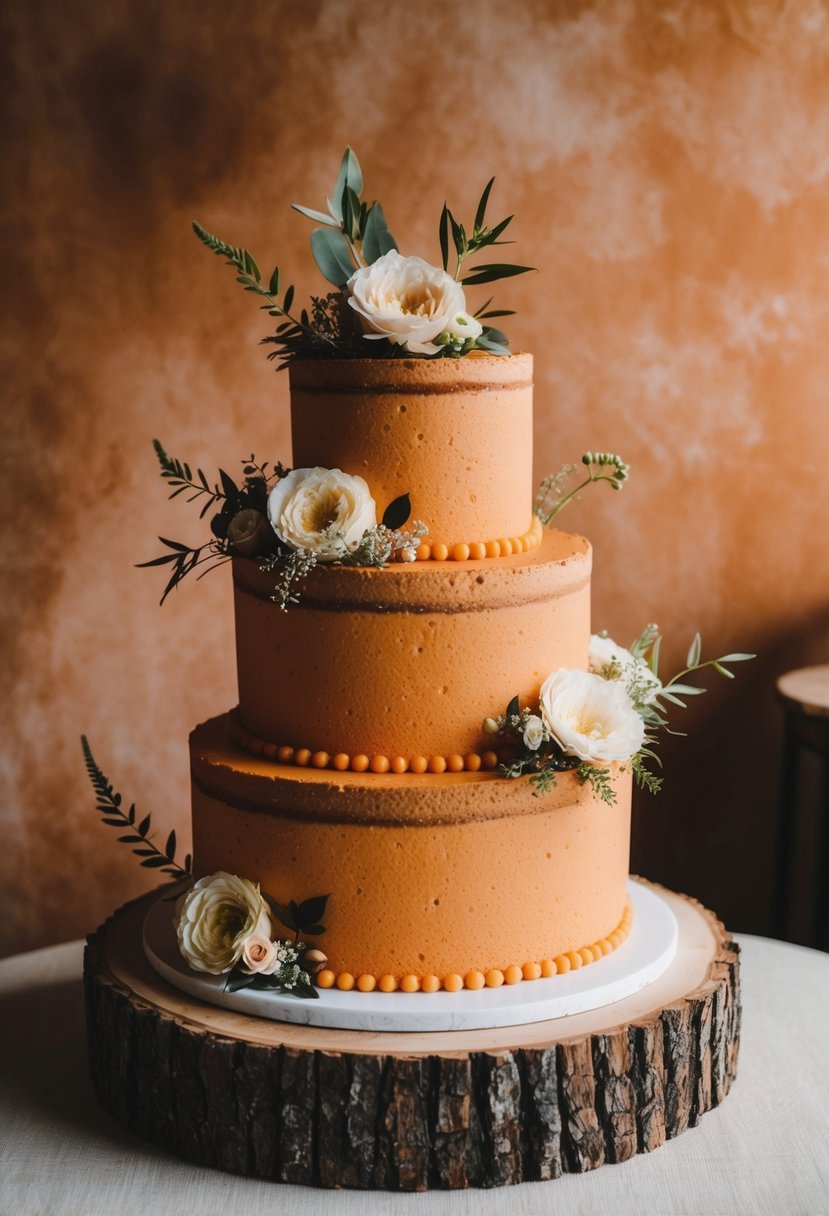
pixel 764 1152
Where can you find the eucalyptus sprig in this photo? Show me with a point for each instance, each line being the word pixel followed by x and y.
pixel 354 233
pixel 651 697
pixel 552 496
pixel 137 834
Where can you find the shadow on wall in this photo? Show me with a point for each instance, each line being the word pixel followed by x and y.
pixel 713 830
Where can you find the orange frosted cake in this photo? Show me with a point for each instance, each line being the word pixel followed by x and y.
pixel 356 763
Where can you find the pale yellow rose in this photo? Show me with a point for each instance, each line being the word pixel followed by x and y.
pixel 410 303
pixel 323 510
pixel 216 917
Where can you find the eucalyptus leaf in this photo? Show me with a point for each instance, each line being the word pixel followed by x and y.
pixel 319 217
pixel 273 286
pixel 694 652
pixel 332 255
pixel 377 239
pixel 349 175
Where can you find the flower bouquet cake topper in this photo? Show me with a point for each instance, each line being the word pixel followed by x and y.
pixel 384 303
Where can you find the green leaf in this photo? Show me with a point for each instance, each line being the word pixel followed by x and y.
pixel 237 980
pixel 397 513
pixel 306 990
pixel 283 914
pixel 143 826
pixel 309 911
pixel 170 847
pixel 228 485
pixel 155 862
pixel 273 286
pixel 694 652
pixel 377 239
pixel 514 707
pixel 351 214
pixel 289 299
pixel 349 175
pixel 319 217
pixel 723 670
pixel 481 212
pixel 737 658
pixel 491 271
pixel 332 255
pixel 443 233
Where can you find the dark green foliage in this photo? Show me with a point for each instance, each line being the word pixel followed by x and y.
pixel 137 835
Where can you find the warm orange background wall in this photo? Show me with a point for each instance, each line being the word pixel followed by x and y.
pixel 668 166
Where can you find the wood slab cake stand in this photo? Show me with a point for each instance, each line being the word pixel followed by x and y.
pixel 410 1111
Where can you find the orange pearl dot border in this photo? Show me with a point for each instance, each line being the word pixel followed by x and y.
pixel 303 757
pixel 478 550
pixel 474 980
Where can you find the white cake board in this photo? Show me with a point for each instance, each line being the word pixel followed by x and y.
pixel 645 955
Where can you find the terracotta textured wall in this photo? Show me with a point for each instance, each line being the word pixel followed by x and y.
pixel 668 166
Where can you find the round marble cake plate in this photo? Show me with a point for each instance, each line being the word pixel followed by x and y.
pixel 646 954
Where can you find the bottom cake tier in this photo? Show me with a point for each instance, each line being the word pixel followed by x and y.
pixel 431 878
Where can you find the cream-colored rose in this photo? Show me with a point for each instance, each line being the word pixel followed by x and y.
pixel 606 654
pixel 533 733
pixel 589 717
pixel 248 533
pixel 323 510
pixel 216 917
pixel 410 303
pixel 259 955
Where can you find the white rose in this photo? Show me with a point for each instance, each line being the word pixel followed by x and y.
pixel 638 677
pixel 260 955
pixel 324 510
pixel 589 717
pixel 215 919
pixel 410 303
pixel 533 733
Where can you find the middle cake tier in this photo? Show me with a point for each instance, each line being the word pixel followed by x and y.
pixel 406 661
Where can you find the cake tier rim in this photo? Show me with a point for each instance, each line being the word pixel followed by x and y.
pixel 221 769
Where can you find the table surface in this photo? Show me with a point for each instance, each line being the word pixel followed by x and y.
pixel 764 1152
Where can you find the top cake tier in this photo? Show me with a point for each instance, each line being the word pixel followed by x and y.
pixel 454 434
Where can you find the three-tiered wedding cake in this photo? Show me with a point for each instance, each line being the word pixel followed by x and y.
pixel 356 764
